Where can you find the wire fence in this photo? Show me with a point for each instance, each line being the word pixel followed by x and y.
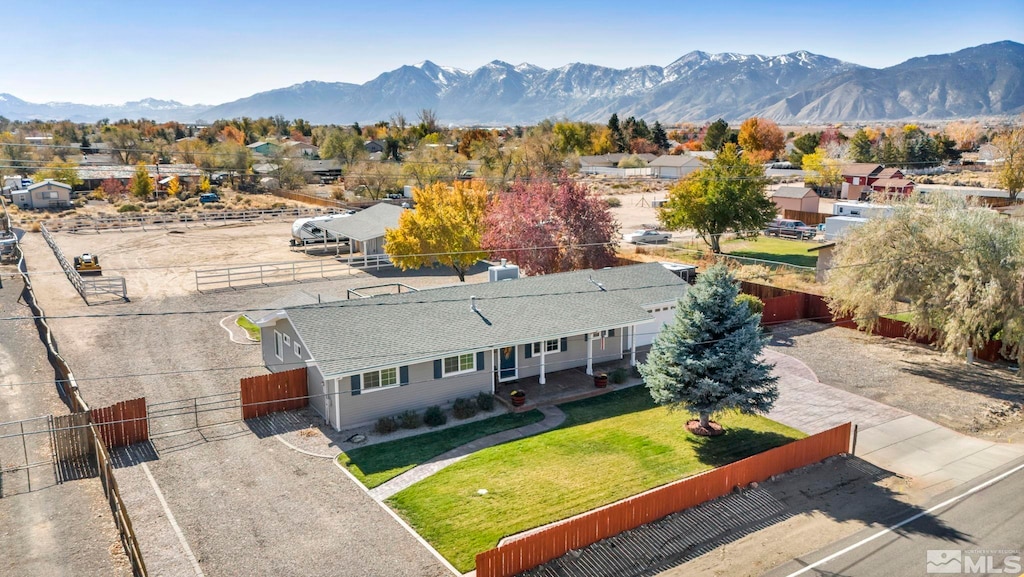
pixel 127 221
pixel 86 287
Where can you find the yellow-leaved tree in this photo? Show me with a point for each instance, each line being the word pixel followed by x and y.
pixel 173 187
pixel 444 228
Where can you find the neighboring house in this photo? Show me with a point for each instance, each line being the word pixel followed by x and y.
pixel 860 180
pixel 264 148
pixel 366 228
pixel 990 155
pixel 824 260
pixel 705 154
pixel 93 176
pixel 796 198
pixel 382 355
pixel 322 171
pixel 45 194
pixel 374 146
pixel 297 148
pixel 675 166
pixel 610 160
pixel 901 186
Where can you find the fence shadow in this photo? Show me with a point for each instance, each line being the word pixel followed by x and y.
pixel 131 455
pixel 993 381
pixel 840 488
pixel 283 422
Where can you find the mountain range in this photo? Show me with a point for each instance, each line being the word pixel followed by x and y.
pixel 796 87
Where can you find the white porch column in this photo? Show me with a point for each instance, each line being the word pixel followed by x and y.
pixel 590 354
pixel 494 367
pixel 543 354
pixel 632 346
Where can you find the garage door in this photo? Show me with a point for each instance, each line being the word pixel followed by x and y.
pixel 646 332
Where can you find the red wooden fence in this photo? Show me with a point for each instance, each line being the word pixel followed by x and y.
pixel 122 424
pixel 556 540
pixel 273 393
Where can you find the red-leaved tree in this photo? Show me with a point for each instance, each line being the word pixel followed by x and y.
pixel 547 227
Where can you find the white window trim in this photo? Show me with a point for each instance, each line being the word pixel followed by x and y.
pixel 298 349
pixel 445 374
pixel 278 346
pixel 362 380
pixel 541 347
pixel 287 339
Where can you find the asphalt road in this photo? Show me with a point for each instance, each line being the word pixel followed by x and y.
pixel 979 522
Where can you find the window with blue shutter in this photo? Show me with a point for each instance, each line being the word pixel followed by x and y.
pixel 356 388
pixel 529 350
pixel 611 332
pixel 564 345
pixel 437 369
pixel 403 375
pixel 480 361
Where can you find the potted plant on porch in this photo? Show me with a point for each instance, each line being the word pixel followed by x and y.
pixel 601 380
pixel 518 397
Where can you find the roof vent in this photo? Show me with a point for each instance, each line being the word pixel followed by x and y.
pixel 472 304
pixel 597 284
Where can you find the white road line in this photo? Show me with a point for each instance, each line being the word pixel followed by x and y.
pixel 910 519
pixel 174 524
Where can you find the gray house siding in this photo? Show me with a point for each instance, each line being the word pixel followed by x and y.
pixel 316 388
pixel 574 356
pixel 289 360
pixel 422 391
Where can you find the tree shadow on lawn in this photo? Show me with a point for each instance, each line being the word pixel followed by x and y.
pixel 844 489
pixel 734 444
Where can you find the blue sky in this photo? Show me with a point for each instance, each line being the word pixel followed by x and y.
pixel 106 51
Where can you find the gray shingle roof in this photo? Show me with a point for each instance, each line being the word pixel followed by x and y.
pixel 677 160
pixel 366 224
pixel 389 330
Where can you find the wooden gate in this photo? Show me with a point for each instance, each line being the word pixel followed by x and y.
pixel 72 446
pixel 273 393
pixel 122 424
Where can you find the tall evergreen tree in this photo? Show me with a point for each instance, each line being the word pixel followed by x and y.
pixel 659 137
pixel 717 135
pixel 860 147
pixel 619 139
pixel 707 359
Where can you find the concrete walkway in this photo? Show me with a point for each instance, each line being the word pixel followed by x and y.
pixel 934 457
pixel 553 417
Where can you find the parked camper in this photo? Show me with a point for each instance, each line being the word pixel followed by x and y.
pixel 837 226
pixel 309 230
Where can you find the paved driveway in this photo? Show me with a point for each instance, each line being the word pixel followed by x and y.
pixel 933 457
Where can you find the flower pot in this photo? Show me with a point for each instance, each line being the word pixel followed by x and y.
pixel 601 380
pixel 518 398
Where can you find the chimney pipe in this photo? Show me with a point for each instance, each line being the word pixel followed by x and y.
pixel 504 261
pixel 472 304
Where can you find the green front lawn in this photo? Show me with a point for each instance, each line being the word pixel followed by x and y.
pixel 376 464
pixel 610 447
pixel 253 330
pixel 768 248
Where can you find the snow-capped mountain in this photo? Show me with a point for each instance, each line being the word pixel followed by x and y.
pixel 795 87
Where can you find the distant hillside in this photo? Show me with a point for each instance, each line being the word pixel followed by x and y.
pixel 795 87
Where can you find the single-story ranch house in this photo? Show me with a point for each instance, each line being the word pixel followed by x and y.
pixel 45 194
pixel 381 355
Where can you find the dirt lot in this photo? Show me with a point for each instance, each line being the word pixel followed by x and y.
pixel 53 529
pixel 984 400
pixel 246 504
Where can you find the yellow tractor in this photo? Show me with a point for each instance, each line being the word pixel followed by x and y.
pixel 88 264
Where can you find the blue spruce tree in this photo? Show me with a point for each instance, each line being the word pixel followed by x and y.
pixel 706 360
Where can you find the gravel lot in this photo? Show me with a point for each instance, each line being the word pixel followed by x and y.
pixel 246 504
pixel 56 529
pixel 982 400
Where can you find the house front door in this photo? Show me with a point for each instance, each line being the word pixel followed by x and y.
pixel 507 364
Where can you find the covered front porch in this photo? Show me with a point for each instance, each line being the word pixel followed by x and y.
pixel 570 384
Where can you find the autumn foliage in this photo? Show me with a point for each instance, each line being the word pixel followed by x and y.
pixel 761 139
pixel 547 227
